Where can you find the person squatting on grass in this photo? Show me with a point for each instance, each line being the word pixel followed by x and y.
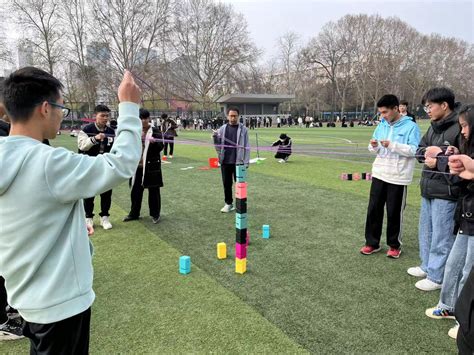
pixel 461 257
pixel 94 139
pixel 395 141
pixel 284 148
pixel 233 148
pixel 148 174
pixel 45 252
pixel 439 192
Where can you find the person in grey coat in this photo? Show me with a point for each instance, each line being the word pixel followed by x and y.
pixel 232 145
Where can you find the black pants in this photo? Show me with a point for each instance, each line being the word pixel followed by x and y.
pixel 69 336
pixel 228 178
pixel 154 197
pixel 464 347
pixel 394 197
pixel 105 202
pixel 3 301
pixel 171 144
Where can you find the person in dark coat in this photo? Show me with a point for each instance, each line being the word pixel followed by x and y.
pixel 284 148
pixel 94 139
pixel 148 174
pixel 168 128
pixel 439 192
pixel 465 317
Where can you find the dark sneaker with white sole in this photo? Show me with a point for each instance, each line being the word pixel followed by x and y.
pixel 11 330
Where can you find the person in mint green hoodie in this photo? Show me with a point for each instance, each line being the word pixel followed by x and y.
pixel 45 253
pixel 395 141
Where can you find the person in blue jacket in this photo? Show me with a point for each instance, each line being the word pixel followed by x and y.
pixel 45 253
pixel 395 141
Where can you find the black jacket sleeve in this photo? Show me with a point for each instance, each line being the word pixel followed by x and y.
pixel 420 152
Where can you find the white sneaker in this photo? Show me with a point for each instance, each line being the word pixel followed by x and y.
pixel 105 223
pixel 417 272
pixel 90 222
pixel 227 208
pixel 453 332
pixel 171 157
pixel 281 161
pixel 427 285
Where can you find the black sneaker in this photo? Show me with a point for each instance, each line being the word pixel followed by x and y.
pixel 155 220
pixel 12 313
pixel 130 218
pixel 11 330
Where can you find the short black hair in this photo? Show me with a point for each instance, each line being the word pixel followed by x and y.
pixel 233 108
pixel 25 89
pixel 164 116
pixel 144 113
pixel 438 96
pixel 388 101
pixel 404 102
pixel 101 108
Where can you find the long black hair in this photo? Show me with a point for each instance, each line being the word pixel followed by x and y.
pixel 466 112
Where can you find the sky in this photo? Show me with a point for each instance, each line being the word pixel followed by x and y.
pixel 269 19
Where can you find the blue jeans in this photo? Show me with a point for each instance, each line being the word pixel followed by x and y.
pixel 458 267
pixel 435 236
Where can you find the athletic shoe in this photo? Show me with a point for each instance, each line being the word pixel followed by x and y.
pixel 227 208
pixel 417 272
pixel 367 250
pixel 90 222
pixel 394 253
pixel 12 313
pixel 11 330
pixel 129 218
pixel 155 220
pixel 105 223
pixel 170 156
pixel 427 285
pixel 439 313
pixel 282 161
pixel 453 332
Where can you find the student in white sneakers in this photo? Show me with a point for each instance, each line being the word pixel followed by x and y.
pixel 461 257
pixel 232 145
pixel 439 192
pixel 94 139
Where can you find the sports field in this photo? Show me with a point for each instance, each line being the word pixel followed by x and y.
pixel 307 288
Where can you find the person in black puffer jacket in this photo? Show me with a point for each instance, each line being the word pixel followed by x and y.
pixel 461 257
pixel 439 191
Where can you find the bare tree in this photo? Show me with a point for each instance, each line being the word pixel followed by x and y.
pixel 129 29
pixel 289 48
pixel 41 19
pixel 5 53
pixel 75 24
pixel 210 40
pixel 328 51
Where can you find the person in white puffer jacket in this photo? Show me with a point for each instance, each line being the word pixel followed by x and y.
pixel 395 141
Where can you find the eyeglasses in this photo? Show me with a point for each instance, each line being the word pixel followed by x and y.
pixel 427 108
pixel 64 109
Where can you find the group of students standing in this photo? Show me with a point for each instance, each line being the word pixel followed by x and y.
pixel 446 224
pixel 98 137
pixel 48 249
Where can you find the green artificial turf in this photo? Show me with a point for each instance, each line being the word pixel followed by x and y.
pixel 307 288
